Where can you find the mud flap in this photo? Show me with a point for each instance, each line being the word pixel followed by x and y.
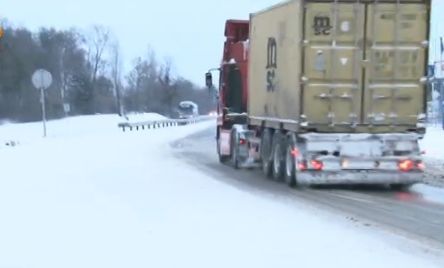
pixel 225 139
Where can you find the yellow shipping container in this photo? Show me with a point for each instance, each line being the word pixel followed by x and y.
pixel 339 66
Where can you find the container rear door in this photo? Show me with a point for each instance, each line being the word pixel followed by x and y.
pixel 363 62
pixel 334 33
pixel 396 56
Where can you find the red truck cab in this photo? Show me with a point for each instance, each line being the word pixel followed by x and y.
pixel 233 84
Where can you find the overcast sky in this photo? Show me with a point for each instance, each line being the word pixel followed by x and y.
pixel 190 32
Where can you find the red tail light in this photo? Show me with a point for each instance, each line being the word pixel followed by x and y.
pixel 421 165
pixel 406 165
pixel 302 166
pixel 242 141
pixel 295 152
pixel 317 165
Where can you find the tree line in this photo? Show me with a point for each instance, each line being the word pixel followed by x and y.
pixel 87 77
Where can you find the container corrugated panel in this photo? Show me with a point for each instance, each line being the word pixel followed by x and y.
pixel 275 62
pixel 346 66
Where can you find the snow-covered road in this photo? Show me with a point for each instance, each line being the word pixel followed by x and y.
pixel 92 196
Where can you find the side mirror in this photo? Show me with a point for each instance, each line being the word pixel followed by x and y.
pixel 209 80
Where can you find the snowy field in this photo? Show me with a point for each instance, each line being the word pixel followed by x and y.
pixel 92 196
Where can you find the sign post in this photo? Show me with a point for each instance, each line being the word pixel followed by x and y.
pixel 441 101
pixel 42 79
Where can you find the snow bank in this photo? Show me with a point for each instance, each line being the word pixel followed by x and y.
pixel 140 117
pixel 77 126
pixel 433 143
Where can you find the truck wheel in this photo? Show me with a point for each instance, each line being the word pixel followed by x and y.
pixel 233 150
pixel 223 159
pixel 278 156
pixel 290 168
pixel 266 152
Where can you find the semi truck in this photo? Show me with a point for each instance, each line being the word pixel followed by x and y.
pixel 326 92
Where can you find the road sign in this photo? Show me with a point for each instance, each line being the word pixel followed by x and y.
pixel 41 79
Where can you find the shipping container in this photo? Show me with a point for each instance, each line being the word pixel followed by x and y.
pixel 339 66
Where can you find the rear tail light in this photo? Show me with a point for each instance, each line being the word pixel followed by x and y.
pixel 406 165
pixel 317 165
pixel 302 166
pixel 242 141
pixel 295 152
pixel 420 166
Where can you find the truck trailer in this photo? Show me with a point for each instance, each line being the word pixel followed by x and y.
pixel 326 92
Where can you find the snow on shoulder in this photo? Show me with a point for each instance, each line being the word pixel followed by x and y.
pixel 141 117
pixel 75 127
pixel 433 146
pixel 433 143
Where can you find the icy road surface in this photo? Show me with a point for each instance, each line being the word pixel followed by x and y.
pixel 418 212
pixel 93 196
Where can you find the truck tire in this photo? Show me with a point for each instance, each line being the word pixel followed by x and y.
pixel 290 168
pixel 223 159
pixel 266 152
pixel 233 150
pixel 278 156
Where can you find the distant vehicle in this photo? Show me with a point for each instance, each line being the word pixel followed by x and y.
pixel 188 109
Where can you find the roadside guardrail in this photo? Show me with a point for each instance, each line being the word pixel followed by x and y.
pixel 154 124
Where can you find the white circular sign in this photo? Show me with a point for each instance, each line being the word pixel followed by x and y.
pixel 42 79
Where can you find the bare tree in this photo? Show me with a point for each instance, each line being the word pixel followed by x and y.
pixel 143 90
pixel 169 88
pixel 116 72
pixel 70 53
pixel 98 44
